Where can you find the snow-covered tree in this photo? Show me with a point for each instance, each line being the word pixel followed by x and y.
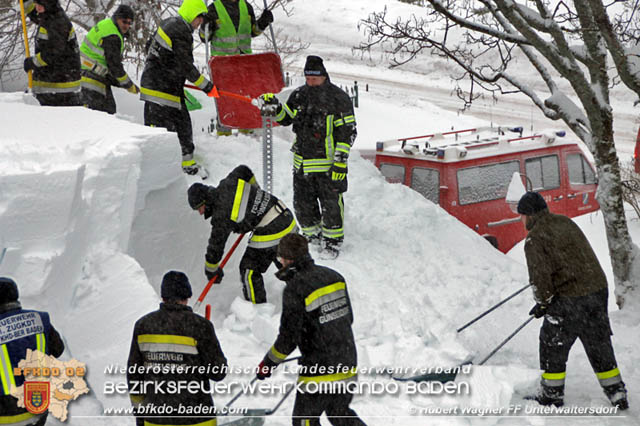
pixel 568 46
pixel 84 14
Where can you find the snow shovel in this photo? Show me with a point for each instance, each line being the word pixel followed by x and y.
pixel 255 416
pixel 493 308
pixel 449 375
pixel 191 101
pixel 206 289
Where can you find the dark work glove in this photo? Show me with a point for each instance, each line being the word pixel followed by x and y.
pixel 208 88
pixel 338 171
pixel 265 19
pixel 269 99
pixel 29 64
pixel 218 274
pixel 264 371
pixel 338 176
pixel 538 310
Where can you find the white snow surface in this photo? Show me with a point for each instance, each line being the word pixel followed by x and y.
pixel 93 211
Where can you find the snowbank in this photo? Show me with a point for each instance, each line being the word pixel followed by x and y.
pixel 93 208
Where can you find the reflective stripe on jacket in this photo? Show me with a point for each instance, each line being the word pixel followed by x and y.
pixel 57 57
pixel 169 63
pixel 324 123
pixel 91 51
pixel 227 40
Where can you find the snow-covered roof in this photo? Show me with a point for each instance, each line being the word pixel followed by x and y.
pixel 467 144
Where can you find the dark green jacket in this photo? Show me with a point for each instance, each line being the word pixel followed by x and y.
pixel 560 259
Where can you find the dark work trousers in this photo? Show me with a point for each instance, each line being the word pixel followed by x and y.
pixel 253 264
pixel 59 99
pixel 95 100
pixel 260 255
pixel 309 407
pixel 318 206
pixel 172 119
pixel 570 318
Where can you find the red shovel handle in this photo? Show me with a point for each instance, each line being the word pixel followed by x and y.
pixel 216 93
pixel 222 265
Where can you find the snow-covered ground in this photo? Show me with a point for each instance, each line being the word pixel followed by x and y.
pixel 93 209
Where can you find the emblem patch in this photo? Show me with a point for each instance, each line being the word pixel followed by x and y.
pixel 36 397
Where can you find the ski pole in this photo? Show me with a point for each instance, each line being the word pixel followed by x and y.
pixel 26 41
pixel 216 93
pixel 504 342
pixel 449 375
pixel 493 308
pixel 196 306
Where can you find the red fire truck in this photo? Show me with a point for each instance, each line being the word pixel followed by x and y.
pixel 467 173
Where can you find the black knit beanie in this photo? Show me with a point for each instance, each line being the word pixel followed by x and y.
pixel 314 67
pixel 8 290
pixel 49 5
pixel 198 195
pixel 531 203
pixel 124 12
pixel 175 286
pixel 293 247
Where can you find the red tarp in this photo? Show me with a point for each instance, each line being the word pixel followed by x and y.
pixel 248 75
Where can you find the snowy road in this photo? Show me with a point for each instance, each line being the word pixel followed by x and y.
pixel 510 109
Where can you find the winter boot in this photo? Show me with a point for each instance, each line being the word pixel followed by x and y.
pixel 548 395
pixel 331 248
pixel 314 241
pixel 196 169
pixel 617 394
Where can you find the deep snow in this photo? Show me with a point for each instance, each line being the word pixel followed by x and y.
pixel 93 210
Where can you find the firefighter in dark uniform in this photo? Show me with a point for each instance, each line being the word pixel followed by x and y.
pixel 316 318
pixel 239 205
pixel 13 349
pixel 325 127
pixel 231 24
pixel 101 60
pixel 173 344
pixel 570 289
pixel 169 63
pixel 56 64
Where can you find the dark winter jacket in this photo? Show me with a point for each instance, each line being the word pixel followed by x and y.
pixel 324 124
pixel 560 259
pixel 316 318
pixel 110 44
pixel 239 205
pixel 57 56
pixel 169 63
pixel 176 341
pixel 20 330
